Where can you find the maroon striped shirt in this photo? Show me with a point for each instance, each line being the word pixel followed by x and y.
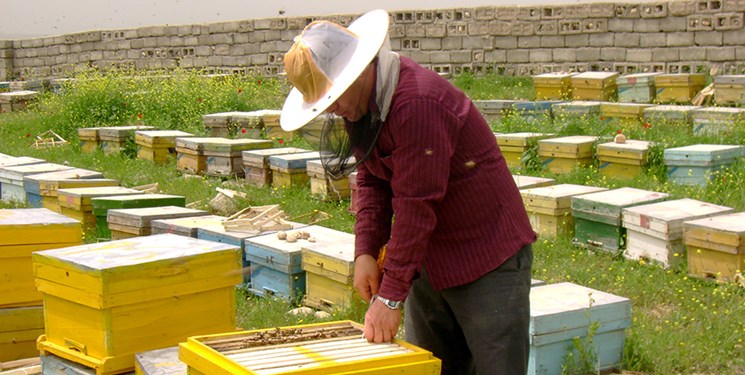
pixel 437 166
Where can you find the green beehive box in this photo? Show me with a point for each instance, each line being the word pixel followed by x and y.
pixel 598 220
pixel 102 205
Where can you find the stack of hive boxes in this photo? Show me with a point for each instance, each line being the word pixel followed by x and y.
pixel 729 89
pixel 224 156
pixel 114 139
pixel 549 207
pixel 22 232
pixel 655 231
pixel 89 139
pixel 563 154
pixel 673 117
pixel 636 88
pixel 514 146
pixel 290 170
pixel 96 314
pixel 101 206
pixel 133 222
pixel 329 269
pixel 157 145
pixel 598 216
pixel 678 87
pixel 11 178
pixel 716 247
pixel 268 120
pixel 77 203
pixel 716 120
pixel 328 348
pixel 553 86
pixel 595 86
pixel 323 185
pixel 248 124
pixel 564 312
pixel 49 183
pixel 623 160
pixel 622 114
pixel 256 164
pixel 32 184
pixel 190 156
pixel 696 164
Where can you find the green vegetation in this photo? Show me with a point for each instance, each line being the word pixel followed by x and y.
pixel 680 325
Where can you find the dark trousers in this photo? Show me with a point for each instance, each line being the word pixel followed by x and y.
pixel 477 328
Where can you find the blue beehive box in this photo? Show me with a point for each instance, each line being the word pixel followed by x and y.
pixel 560 312
pixel 696 164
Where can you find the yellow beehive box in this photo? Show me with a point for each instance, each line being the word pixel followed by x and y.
pixel 19 329
pixel 23 231
pixel 515 145
pixel 114 138
pixel 622 114
pixel 105 302
pixel 550 207
pixel 157 145
pixel 716 246
pixel 256 164
pixel 49 189
pixel 322 348
pixel 76 202
pixel 329 269
pixel 595 86
pixel 729 89
pixel 550 86
pixel 131 222
pixel 323 186
pixel 680 87
pixel 561 155
pixel 290 170
pixel 89 139
pixel 623 160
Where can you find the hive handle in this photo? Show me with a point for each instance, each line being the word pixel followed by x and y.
pixel 76 346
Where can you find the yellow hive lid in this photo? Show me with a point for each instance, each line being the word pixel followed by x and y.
pixel 108 274
pixel 26 226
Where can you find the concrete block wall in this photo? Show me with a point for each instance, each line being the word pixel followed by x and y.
pixel 665 36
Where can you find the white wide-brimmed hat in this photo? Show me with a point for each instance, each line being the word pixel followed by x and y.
pixel 325 60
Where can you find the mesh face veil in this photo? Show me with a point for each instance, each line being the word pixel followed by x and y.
pixel 344 145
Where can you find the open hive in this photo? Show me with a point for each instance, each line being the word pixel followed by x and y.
pixel 598 216
pixel 636 88
pixel 105 302
pixel 324 348
pixel 678 87
pixel 716 247
pixel 563 154
pixel 157 145
pixel 623 160
pixel 256 164
pixel 655 231
pixel 549 207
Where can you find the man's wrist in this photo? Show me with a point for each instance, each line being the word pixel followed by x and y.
pixel 393 305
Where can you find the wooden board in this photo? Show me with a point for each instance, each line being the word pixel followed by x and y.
pixel 230 166
pixel 41 183
pixel 159 362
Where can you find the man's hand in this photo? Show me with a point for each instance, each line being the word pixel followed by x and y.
pixel 381 323
pixel 366 276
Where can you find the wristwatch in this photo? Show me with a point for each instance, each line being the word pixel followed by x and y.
pixel 393 305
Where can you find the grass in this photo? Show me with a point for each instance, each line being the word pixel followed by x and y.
pixel 680 324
